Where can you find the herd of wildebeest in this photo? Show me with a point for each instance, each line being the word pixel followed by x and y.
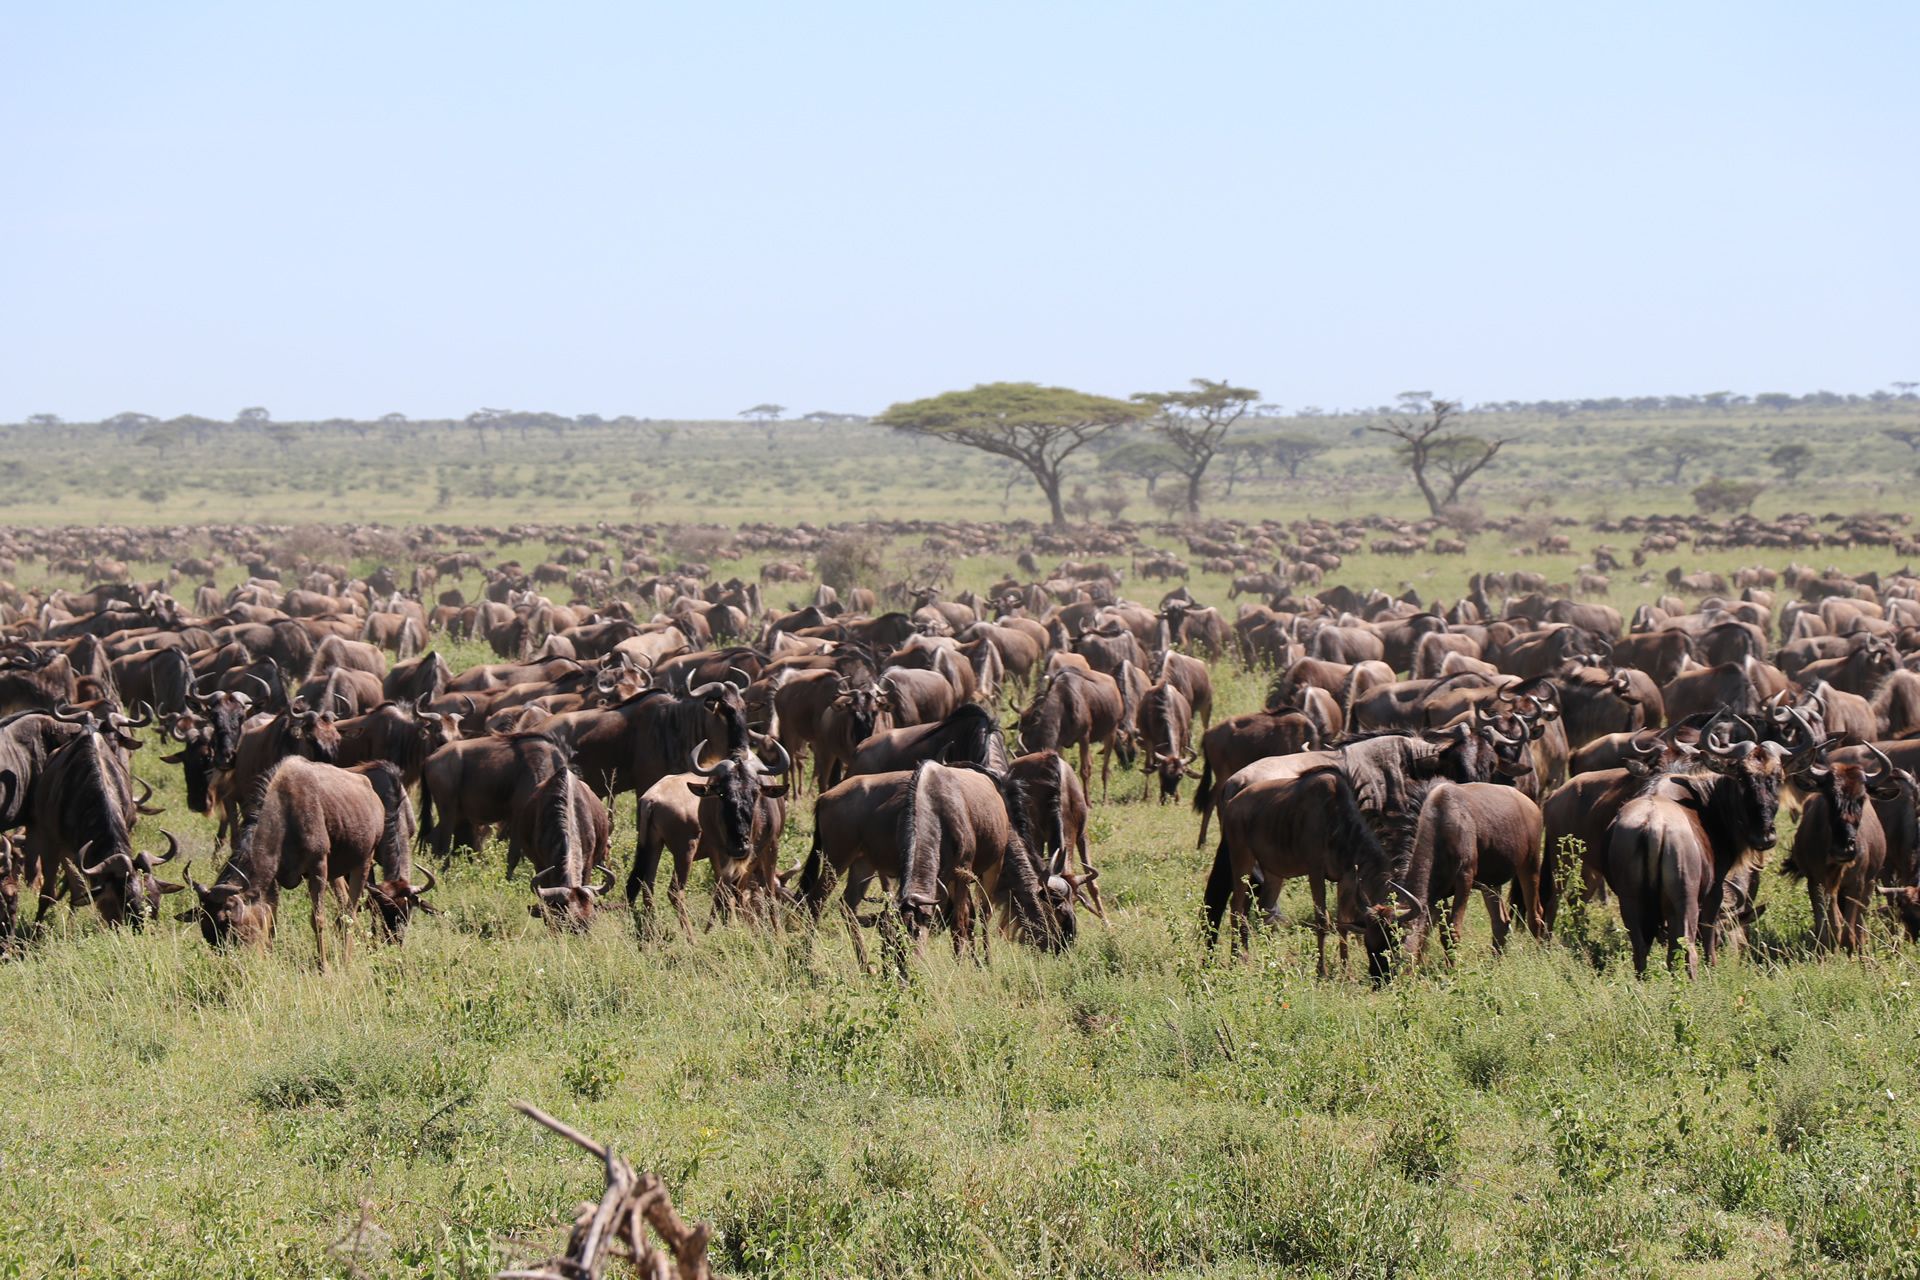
pixel 1411 753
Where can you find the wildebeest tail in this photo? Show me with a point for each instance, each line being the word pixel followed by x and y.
pixel 1203 794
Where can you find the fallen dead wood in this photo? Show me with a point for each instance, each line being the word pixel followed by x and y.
pixel 618 1226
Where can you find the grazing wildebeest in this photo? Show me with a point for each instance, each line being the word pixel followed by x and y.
pixel 962 829
pixel 1079 709
pixel 1057 811
pixel 856 834
pixel 481 782
pixel 80 832
pixel 1675 844
pixel 1164 723
pixel 1473 836
pixel 564 830
pixel 1306 824
pixel 315 824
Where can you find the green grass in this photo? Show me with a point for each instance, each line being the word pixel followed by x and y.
pixel 1135 1107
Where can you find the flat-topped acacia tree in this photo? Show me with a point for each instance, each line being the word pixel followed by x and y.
pixel 1037 427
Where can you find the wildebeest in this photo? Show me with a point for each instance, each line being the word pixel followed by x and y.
pixel 1473 836
pixel 1233 744
pixel 1080 709
pixel 969 734
pixel 313 824
pixel 563 828
pixel 1675 844
pixel 482 782
pixel 1305 824
pixel 962 829
pixel 1164 723
pixel 742 813
pixel 1839 847
pixel 79 831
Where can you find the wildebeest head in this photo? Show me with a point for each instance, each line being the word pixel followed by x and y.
pixel 730 793
pixel 1845 788
pixel 313 730
pixel 726 702
pixel 1171 766
pixel 569 906
pixel 209 734
pixel 396 900
pixel 1756 774
pixel 232 912
pixel 122 886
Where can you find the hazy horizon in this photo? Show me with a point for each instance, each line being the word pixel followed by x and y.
pixel 358 210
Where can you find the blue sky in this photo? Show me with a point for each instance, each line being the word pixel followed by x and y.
pixel 685 210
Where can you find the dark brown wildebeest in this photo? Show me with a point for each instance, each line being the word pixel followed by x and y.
pixel 482 782
pixel 962 831
pixel 1661 654
pixel 1194 680
pixel 970 734
pixel 1305 824
pixel 403 734
pixel 1057 811
pixel 564 830
pixel 79 831
pixel 1860 672
pixel 1233 744
pixel 1164 728
pixel 1080 709
pixel 425 676
pixel 35 680
pixel 856 834
pixel 1108 647
pixel 743 810
pixel 314 824
pixel 343 691
pixel 1839 847
pixel 1675 844
pixel 1473 836
pixel 1896 705
pixel 848 721
pixel 1730 686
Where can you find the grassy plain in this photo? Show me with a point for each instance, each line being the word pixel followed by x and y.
pixel 1134 1107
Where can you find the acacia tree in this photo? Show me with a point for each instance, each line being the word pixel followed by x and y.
pixel 764 413
pixel 1790 460
pixel 1035 426
pixel 1196 423
pixel 1143 459
pixel 1294 451
pixel 1676 454
pixel 1437 452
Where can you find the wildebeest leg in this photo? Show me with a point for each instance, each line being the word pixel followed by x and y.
pixel 893 939
pixel 1106 768
pixel 1820 900
pixel 318 889
pixel 677 888
pixel 1242 934
pixel 345 893
pixel 1092 886
pixel 1318 888
pixel 1497 915
pixel 1086 767
pixel 1635 917
pixel 850 899
pixel 646 869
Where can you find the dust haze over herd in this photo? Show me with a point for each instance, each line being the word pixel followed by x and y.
pixel 1222 641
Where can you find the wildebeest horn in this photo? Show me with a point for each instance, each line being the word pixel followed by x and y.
pixel 786 761
pixel 65 711
pixel 709 689
pixel 432 880
pixel 1885 769
pixel 605 872
pixel 420 705
pixel 173 846
pixel 697 767
pixel 141 802
pixel 265 688
pixel 144 718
